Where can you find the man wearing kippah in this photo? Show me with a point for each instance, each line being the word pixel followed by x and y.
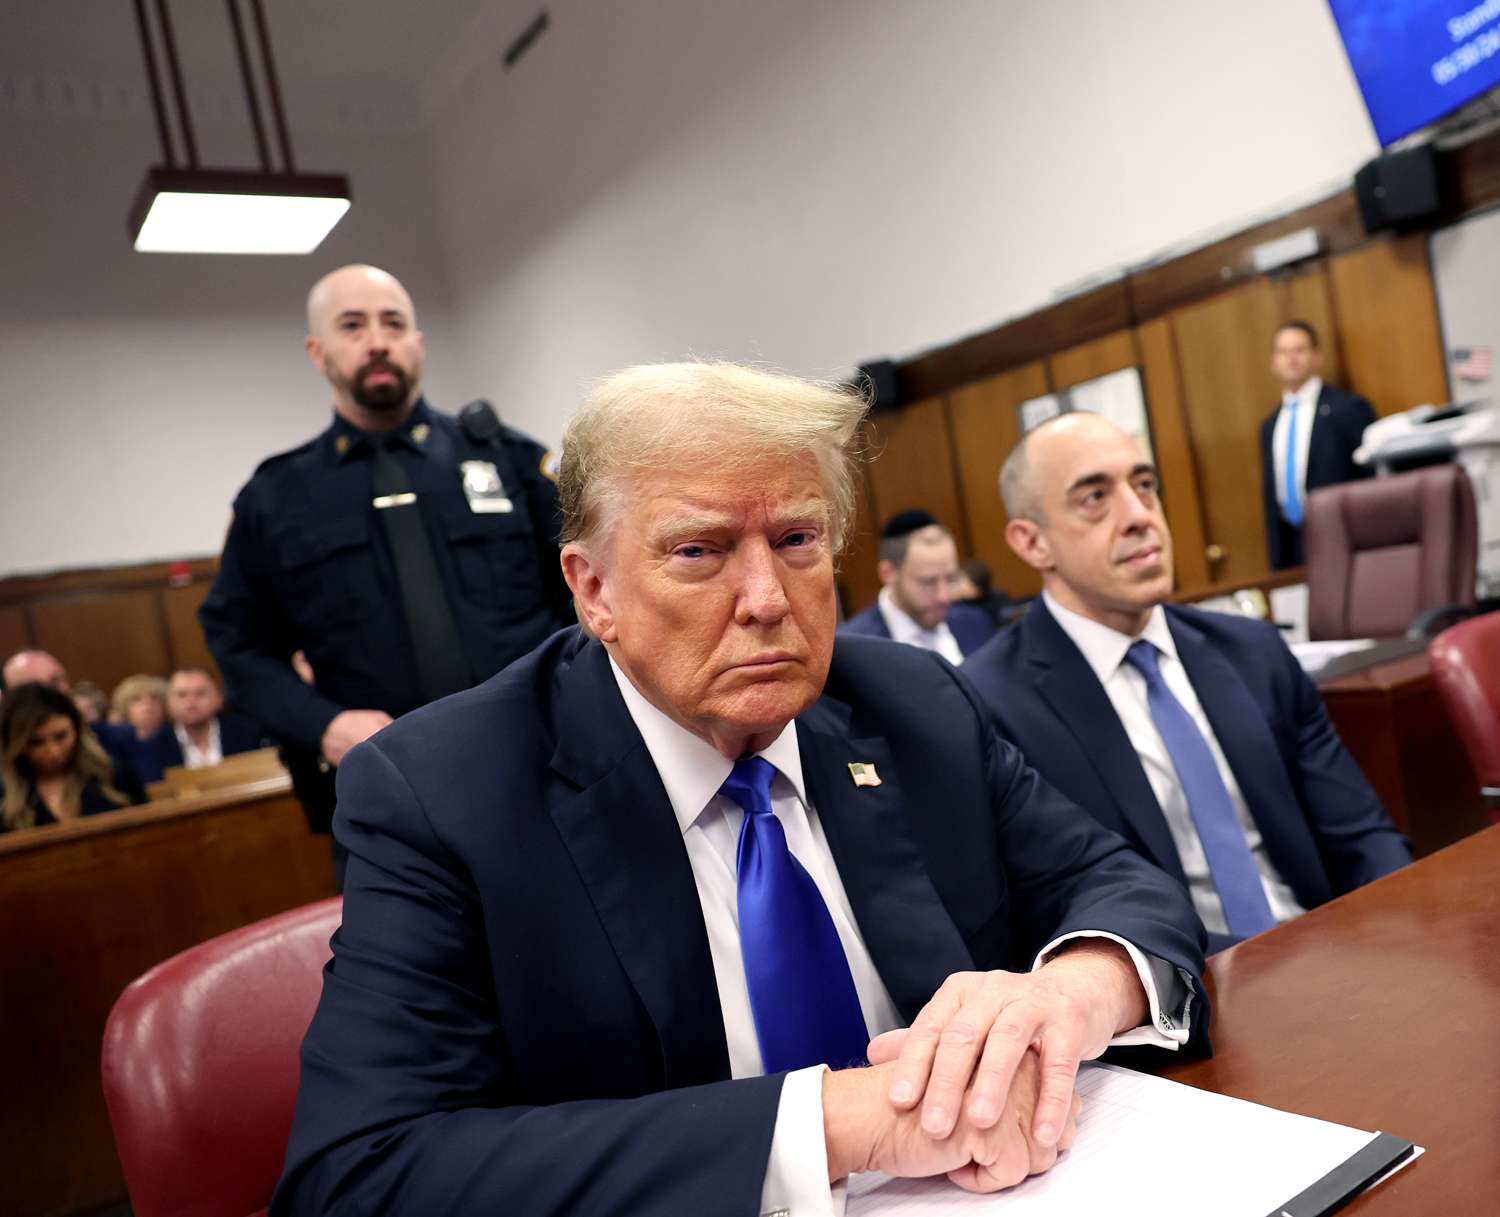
pixel 918 571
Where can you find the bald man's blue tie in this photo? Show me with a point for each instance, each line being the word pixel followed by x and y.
pixel 1230 861
pixel 801 992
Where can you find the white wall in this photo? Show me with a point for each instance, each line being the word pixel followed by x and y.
pixel 807 184
pixel 815 184
pixel 140 391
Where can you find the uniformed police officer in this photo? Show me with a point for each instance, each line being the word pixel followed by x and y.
pixel 407 555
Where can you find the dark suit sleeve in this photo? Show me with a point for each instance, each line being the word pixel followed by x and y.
pixel 252 642
pixel 1355 836
pixel 1275 545
pixel 408 1103
pixel 1069 874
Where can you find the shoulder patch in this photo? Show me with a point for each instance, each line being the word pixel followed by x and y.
pixel 547 466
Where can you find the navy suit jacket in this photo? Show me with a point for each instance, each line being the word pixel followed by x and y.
pixel 1323 826
pixel 1338 426
pixel 521 1014
pixel 971 626
pixel 236 734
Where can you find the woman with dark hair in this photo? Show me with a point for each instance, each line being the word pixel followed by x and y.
pixel 51 766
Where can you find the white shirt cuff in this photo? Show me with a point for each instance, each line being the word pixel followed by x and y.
pixel 796 1182
pixel 1160 1030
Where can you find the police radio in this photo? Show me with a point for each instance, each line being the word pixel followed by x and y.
pixel 480 423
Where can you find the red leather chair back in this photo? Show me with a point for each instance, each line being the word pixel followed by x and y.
pixel 1383 551
pixel 1465 663
pixel 200 1065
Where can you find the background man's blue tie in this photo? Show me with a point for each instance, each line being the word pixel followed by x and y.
pixel 1230 861
pixel 801 993
pixel 1292 509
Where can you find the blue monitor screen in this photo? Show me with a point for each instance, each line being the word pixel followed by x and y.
pixel 1417 60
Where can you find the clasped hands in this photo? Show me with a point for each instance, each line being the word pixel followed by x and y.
pixel 980 1086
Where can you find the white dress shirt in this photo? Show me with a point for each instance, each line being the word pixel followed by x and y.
pixel 1306 399
pixel 692 771
pixel 904 628
pixel 194 757
pixel 1104 651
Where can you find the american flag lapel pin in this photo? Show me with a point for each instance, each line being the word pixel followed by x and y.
pixel 863 773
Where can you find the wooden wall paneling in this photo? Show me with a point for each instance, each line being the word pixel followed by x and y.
pixel 858 578
pixel 15 633
pixel 1205 271
pixel 1388 324
pixel 1088 315
pixel 1097 358
pixel 104 638
pixel 986 427
pixel 1182 494
pixel 184 635
pixel 95 903
pixel 1222 354
pixel 913 466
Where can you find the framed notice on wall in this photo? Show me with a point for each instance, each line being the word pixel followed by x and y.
pixel 1117 397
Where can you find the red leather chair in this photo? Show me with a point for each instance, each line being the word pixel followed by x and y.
pixel 200 1065
pixel 1382 552
pixel 1465 663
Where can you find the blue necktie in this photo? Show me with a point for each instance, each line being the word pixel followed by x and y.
pixel 1292 507
pixel 1230 861
pixel 801 993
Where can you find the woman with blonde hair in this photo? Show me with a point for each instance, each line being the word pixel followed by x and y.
pixel 51 766
pixel 141 702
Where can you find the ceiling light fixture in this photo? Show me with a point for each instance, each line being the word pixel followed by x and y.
pixel 185 208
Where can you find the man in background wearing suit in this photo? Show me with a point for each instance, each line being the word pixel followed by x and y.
pixel 1195 735
pixel 918 574
pixel 609 914
pixel 1309 442
pixel 199 732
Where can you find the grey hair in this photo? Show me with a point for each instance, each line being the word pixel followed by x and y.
pixel 673 415
pixel 1017 491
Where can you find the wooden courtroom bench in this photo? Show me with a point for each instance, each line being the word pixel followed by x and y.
pixel 242 769
pixel 88 906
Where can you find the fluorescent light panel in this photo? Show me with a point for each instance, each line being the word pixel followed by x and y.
pixel 219 212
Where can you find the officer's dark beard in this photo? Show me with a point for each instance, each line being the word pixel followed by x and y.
pixel 390 395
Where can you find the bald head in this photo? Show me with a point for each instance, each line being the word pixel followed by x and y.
pixel 1024 477
pixel 1085 512
pixel 34 668
pixel 355 281
pixel 362 336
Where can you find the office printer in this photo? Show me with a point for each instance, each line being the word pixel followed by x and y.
pixel 1466 432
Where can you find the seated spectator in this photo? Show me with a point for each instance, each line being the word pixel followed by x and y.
pixel 199 731
pixel 975 587
pixel 91 701
pixel 918 571
pixel 33 668
pixel 51 766
pixel 118 740
pixel 140 702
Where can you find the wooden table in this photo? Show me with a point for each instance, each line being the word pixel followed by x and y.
pixel 1392 721
pixel 1380 1010
pixel 86 907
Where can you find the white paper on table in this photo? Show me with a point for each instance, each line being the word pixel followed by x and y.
pixel 1145 1146
pixel 1315 655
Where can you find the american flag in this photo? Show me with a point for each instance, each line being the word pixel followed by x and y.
pixel 1472 363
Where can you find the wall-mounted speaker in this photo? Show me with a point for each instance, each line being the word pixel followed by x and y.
pixel 877 381
pixel 1398 190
